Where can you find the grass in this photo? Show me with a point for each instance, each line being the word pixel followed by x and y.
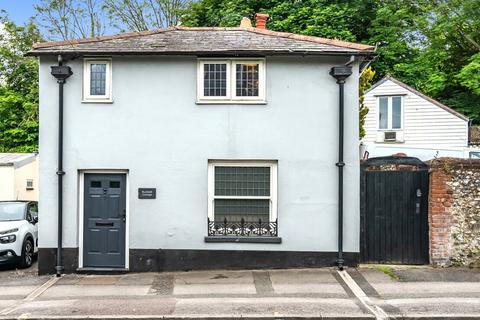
pixel 388 271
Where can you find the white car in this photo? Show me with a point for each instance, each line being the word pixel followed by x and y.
pixel 18 232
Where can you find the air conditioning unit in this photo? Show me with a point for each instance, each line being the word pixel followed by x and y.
pixel 390 136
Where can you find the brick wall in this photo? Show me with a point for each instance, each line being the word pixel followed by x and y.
pixel 454 212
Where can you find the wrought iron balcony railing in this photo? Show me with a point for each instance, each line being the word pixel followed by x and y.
pixel 243 228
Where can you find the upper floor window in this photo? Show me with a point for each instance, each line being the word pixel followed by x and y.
pixel 390 112
pixel 231 80
pixel 97 80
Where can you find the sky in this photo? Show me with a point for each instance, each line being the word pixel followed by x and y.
pixel 19 10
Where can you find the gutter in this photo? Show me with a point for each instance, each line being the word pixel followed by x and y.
pixel 341 73
pixel 61 73
pixel 224 53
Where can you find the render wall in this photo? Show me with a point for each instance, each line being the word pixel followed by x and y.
pixel 27 171
pixel 454 212
pixel 156 131
pixel 7 182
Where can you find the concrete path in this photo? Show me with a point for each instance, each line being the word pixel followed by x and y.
pixel 364 293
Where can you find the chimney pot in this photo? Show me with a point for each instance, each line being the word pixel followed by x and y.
pixel 245 23
pixel 261 20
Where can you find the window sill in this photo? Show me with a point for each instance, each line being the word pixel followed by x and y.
pixel 107 101
pixel 243 239
pixel 389 142
pixel 257 102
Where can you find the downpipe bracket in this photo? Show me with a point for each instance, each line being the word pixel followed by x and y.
pixel 340 264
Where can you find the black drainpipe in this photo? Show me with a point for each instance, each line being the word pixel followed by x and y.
pixel 61 73
pixel 340 74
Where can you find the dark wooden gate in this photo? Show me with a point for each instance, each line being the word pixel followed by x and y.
pixel 394 211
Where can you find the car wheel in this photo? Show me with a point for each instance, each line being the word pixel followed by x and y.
pixel 26 260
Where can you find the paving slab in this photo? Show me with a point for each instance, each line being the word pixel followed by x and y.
pixel 132 307
pixel 137 279
pixel 216 282
pixel 437 274
pixel 74 291
pixel 427 289
pixel 306 282
pixel 99 280
pixel 267 306
pixel 19 291
pixel 436 307
pixel 5 303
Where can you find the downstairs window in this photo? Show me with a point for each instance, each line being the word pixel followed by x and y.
pixel 242 199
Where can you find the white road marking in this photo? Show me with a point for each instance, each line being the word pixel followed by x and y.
pixel 378 312
pixel 31 296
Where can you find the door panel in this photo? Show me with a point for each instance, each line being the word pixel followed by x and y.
pixel 104 220
pixel 395 217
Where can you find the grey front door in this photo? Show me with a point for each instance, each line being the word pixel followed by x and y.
pixel 104 220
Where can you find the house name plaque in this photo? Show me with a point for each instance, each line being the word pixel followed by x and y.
pixel 147 193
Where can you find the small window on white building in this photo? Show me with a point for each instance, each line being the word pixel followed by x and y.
pixel 29 185
pixel 242 195
pixel 390 113
pixel 231 80
pixel 97 80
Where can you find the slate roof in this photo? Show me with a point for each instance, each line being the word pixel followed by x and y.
pixel 16 159
pixel 418 93
pixel 202 40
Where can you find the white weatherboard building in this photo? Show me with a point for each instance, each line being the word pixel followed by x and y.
pixel 403 120
pixel 191 148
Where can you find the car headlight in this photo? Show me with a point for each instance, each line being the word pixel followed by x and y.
pixel 8 239
pixel 9 231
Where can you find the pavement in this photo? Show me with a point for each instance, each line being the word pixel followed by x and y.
pixel 367 292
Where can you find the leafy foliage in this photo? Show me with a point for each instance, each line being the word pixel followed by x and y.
pixel 365 82
pixel 18 88
pixel 432 45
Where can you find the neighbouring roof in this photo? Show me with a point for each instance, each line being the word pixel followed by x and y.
pixel 202 40
pixel 16 159
pixel 475 135
pixel 431 100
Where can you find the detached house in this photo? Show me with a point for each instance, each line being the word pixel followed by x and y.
pixel 190 148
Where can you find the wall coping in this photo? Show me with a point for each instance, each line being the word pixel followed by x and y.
pixel 454 163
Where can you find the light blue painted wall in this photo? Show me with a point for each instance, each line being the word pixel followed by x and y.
pixel 156 131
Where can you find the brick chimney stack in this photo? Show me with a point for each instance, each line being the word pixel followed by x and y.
pixel 261 20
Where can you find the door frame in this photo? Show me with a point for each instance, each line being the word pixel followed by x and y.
pixel 81 212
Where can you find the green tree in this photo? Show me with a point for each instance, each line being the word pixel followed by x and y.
pixel 339 19
pixel 18 88
pixel 365 82
pixel 432 45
